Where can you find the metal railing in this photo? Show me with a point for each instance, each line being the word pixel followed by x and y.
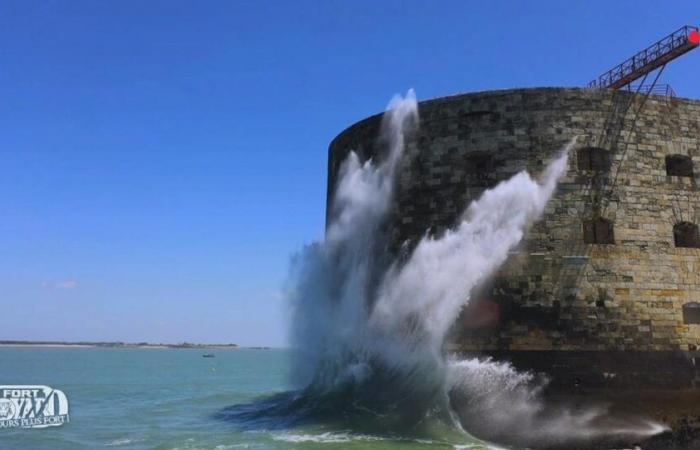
pixel 656 55
pixel 664 90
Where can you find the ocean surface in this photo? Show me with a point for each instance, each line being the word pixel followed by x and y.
pixel 176 399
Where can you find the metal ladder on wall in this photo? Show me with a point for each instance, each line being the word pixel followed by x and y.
pixel 601 189
pixel 619 78
pixel 604 184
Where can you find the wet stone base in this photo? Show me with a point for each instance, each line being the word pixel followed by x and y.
pixel 569 371
pixel 661 386
pixel 680 411
pixel 682 439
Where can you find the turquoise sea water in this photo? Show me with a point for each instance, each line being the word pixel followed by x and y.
pixel 173 399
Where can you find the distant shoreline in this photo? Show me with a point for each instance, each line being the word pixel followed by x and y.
pixel 60 344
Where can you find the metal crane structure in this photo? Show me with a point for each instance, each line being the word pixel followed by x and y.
pixel 619 78
pixel 656 55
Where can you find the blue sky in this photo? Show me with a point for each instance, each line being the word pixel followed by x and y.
pixel 161 161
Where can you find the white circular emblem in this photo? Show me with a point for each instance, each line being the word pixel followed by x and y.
pixel 7 409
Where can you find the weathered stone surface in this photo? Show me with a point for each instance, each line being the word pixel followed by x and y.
pixel 557 293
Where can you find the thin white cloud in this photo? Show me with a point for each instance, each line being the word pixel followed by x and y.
pixel 62 284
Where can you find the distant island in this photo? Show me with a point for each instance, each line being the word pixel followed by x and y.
pixel 119 345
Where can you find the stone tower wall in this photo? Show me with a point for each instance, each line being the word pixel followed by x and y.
pixel 557 294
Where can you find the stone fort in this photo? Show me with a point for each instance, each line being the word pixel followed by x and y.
pixel 604 290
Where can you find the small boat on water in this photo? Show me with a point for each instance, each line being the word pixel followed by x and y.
pixel 208 355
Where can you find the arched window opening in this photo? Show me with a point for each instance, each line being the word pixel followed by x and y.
pixel 598 231
pixel 679 166
pixel 593 158
pixel 685 234
pixel 691 313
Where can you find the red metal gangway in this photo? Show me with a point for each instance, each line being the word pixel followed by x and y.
pixel 657 55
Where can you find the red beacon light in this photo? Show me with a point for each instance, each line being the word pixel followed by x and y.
pixel 694 37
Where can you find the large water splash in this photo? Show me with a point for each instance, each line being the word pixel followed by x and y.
pixel 368 322
pixel 369 328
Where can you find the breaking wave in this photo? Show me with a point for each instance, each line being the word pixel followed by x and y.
pixel 369 328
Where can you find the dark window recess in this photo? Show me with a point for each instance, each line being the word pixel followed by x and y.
pixel 691 313
pixel 478 113
pixel 423 140
pixel 685 234
pixel 598 231
pixel 679 166
pixel 482 163
pixel 593 158
pixel 480 169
